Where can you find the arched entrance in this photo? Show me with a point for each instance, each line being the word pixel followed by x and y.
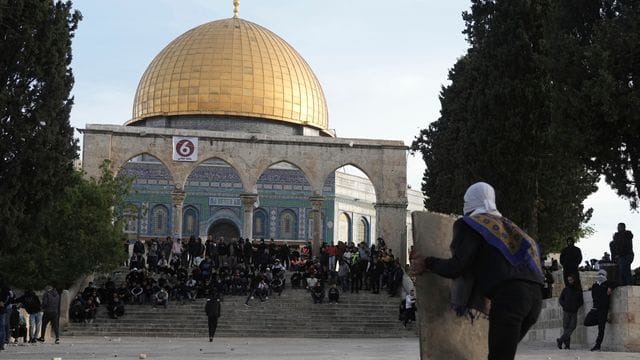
pixel 224 228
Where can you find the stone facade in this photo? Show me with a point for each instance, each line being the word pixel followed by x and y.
pixel 251 156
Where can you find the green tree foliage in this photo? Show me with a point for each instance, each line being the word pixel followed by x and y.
pixel 613 91
pixel 54 226
pixel 84 235
pixel 36 139
pixel 499 123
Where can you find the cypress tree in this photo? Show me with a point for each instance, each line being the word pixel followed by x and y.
pixel 499 123
pixel 612 93
pixel 36 139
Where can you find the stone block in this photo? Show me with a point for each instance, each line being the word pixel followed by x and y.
pixel 443 335
pixel 65 301
pixel 633 343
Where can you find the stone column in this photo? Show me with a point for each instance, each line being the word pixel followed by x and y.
pixel 248 202
pixel 391 225
pixel 177 197
pixel 63 318
pixel 316 205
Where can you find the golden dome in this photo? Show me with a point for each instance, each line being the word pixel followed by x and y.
pixel 231 67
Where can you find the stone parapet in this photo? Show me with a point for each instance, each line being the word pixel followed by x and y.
pixel 587 278
pixel 622 332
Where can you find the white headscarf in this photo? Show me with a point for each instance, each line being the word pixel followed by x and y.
pixel 602 276
pixel 480 198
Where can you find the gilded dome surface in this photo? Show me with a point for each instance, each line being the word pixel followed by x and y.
pixel 231 67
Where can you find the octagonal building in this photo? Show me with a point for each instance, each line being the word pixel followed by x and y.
pixel 230 137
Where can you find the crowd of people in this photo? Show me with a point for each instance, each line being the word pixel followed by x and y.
pixel 13 324
pixel 571 298
pixel 166 270
pixel 162 271
pixel 190 269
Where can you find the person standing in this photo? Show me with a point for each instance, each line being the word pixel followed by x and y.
pixel 622 244
pixel 31 304
pixel 570 259
pixel 332 251
pixel 410 307
pixel 213 309
pixel 571 300
pixel 247 252
pixel 3 312
pixel 601 293
pixel 222 250
pixel 505 269
pixel 51 308
pixel 176 250
pixel 8 297
pixel 285 253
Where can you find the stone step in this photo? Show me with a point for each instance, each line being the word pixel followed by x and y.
pixel 310 334
pixel 293 314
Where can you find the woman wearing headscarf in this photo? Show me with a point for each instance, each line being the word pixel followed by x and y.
pixel 496 269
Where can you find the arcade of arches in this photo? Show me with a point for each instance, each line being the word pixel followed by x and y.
pixel 251 167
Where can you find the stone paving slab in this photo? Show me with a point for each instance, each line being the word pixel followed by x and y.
pixel 528 352
pixel 258 348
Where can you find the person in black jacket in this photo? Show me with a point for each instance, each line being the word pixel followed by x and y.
pixel 51 308
pixel 570 259
pixel 622 253
pixel 375 271
pixel 571 300
pixel 505 265
pixel 317 292
pixel 601 293
pixel 213 309
pixel 31 303
pixel 115 307
pixel 17 324
pixel 333 294
pixel 3 312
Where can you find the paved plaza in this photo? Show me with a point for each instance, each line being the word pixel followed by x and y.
pixel 258 349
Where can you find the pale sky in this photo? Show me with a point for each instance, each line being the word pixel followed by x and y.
pixel 381 64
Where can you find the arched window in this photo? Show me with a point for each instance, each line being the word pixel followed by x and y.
pixel 344 228
pixel 260 223
pixel 159 220
pixel 287 225
pixel 190 222
pixel 363 231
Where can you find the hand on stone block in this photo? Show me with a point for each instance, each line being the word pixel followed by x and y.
pixel 417 263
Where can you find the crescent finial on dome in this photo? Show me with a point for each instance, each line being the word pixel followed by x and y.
pixel 236 7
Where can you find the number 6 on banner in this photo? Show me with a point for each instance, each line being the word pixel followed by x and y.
pixel 185 149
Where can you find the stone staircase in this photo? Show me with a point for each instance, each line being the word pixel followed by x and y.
pixel 292 315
